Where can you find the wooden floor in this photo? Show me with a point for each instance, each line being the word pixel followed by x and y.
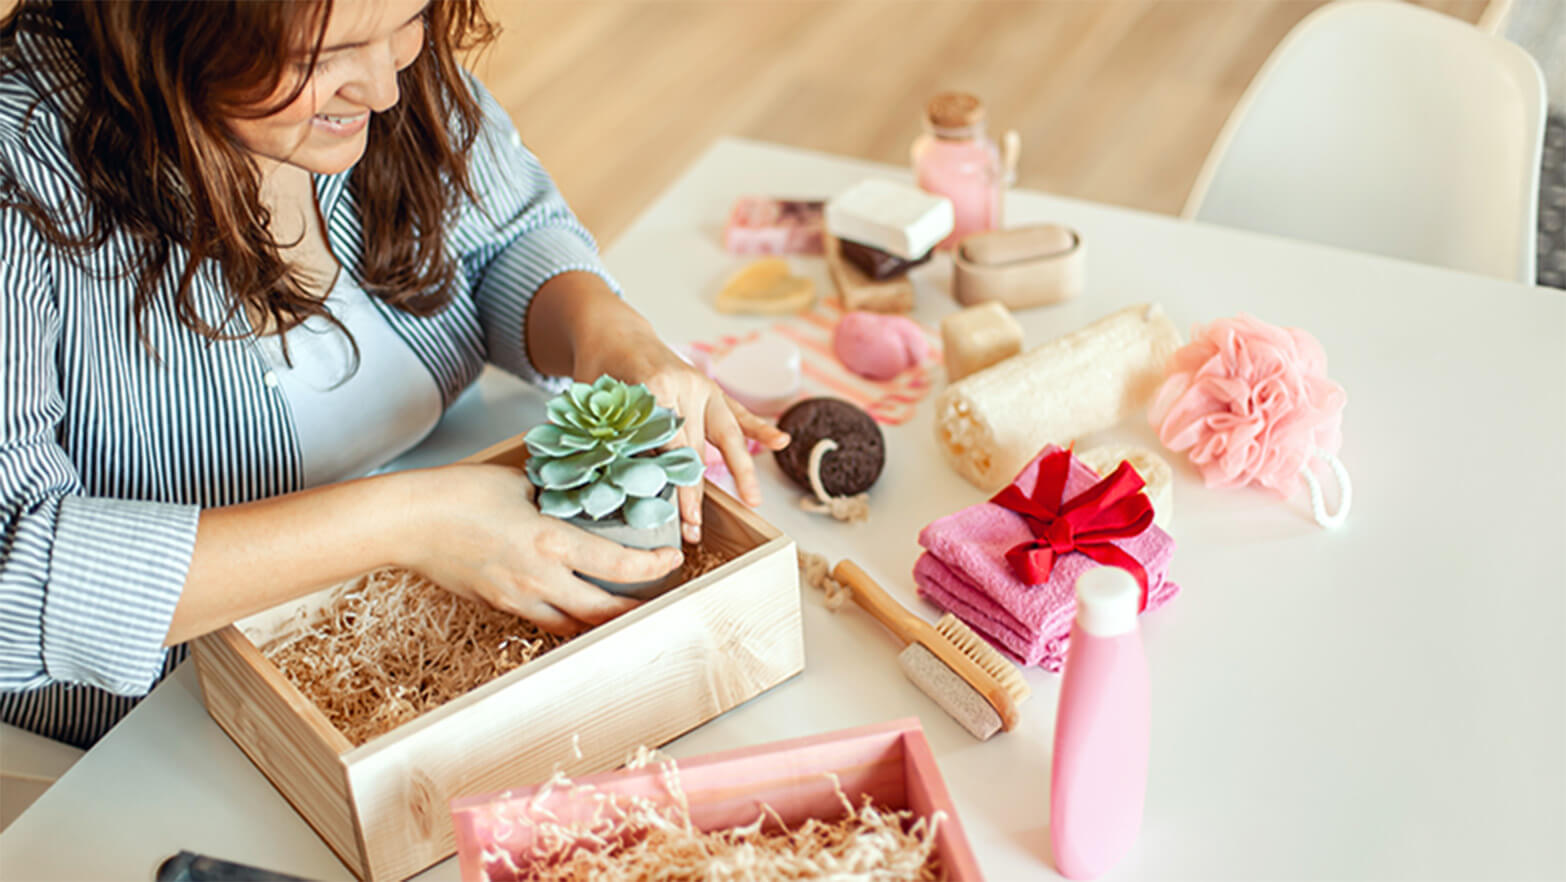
pixel 1117 100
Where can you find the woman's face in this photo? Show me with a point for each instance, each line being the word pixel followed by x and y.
pixel 324 129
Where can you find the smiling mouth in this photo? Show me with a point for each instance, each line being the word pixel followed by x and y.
pixel 342 124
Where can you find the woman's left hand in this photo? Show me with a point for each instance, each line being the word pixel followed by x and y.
pixel 628 350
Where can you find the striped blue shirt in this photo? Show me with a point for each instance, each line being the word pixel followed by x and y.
pixel 108 454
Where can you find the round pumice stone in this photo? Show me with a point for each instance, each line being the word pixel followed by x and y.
pixel 860 453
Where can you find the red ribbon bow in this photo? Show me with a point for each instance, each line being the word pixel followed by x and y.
pixel 1114 508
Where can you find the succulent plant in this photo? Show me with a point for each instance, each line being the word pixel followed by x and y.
pixel 596 455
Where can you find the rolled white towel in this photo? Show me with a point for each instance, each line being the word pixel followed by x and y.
pixel 991 423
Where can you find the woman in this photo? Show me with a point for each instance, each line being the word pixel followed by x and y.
pixel 253 248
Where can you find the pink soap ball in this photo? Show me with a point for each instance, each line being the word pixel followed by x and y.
pixel 879 347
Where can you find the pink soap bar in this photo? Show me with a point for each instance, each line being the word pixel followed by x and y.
pixel 879 347
pixel 764 225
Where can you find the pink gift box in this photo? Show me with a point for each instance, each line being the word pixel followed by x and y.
pixel 964 571
pixel 763 225
pixel 798 779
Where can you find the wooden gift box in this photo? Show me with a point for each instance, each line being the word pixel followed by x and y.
pixel 890 761
pixel 645 678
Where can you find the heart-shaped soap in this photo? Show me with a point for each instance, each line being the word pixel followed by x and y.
pixel 766 287
pixel 763 375
pixel 879 347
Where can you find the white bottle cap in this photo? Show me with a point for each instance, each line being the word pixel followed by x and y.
pixel 1107 601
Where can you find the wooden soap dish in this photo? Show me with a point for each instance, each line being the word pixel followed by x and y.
pixel 1019 268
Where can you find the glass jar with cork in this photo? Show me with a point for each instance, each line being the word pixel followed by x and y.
pixel 956 159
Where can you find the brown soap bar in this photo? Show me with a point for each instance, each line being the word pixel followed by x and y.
pixel 1018 245
pixel 875 263
pixel 858 292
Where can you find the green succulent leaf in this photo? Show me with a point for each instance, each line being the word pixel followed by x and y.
pixel 548 440
pixel 657 431
pixel 600 499
pixel 559 503
pixel 564 414
pixel 592 425
pixel 574 470
pixel 534 463
pixel 681 465
pixel 649 512
pixel 641 406
pixel 638 477
pixel 578 394
pixel 601 403
pixel 576 439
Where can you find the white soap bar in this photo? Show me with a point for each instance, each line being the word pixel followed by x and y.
pixel 978 337
pixel 900 219
pixel 763 375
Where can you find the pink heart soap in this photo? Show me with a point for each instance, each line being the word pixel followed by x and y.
pixel 877 346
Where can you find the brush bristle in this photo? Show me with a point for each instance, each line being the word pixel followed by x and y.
pixel 985 656
pixel 956 696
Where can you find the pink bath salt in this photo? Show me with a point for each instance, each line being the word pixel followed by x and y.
pixel 879 347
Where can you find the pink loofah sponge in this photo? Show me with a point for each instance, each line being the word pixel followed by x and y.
pixel 1251 403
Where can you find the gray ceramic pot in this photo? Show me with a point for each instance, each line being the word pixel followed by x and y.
pixel 617 530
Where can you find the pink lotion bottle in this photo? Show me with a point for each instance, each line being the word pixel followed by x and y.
pixel 1099 772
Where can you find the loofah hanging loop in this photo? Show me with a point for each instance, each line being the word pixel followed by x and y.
pixel 1318 505
pixel 851 509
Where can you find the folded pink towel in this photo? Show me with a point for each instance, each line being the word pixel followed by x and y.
pixel 956 595
pixel 965 572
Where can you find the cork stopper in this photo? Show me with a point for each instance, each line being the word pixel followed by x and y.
pixel 955 110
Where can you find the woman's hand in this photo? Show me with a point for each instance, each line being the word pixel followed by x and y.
pixel 474 531
pixel 628 350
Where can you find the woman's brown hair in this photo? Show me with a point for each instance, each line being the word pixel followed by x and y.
pixel 158 162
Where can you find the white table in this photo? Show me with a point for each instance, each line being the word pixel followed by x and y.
pixel 1385 701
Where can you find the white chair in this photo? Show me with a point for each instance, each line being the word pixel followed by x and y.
pixel 1388 128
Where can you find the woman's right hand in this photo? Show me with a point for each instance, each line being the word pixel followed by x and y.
pixel 474 531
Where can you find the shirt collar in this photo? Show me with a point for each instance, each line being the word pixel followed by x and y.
pixel 329 190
